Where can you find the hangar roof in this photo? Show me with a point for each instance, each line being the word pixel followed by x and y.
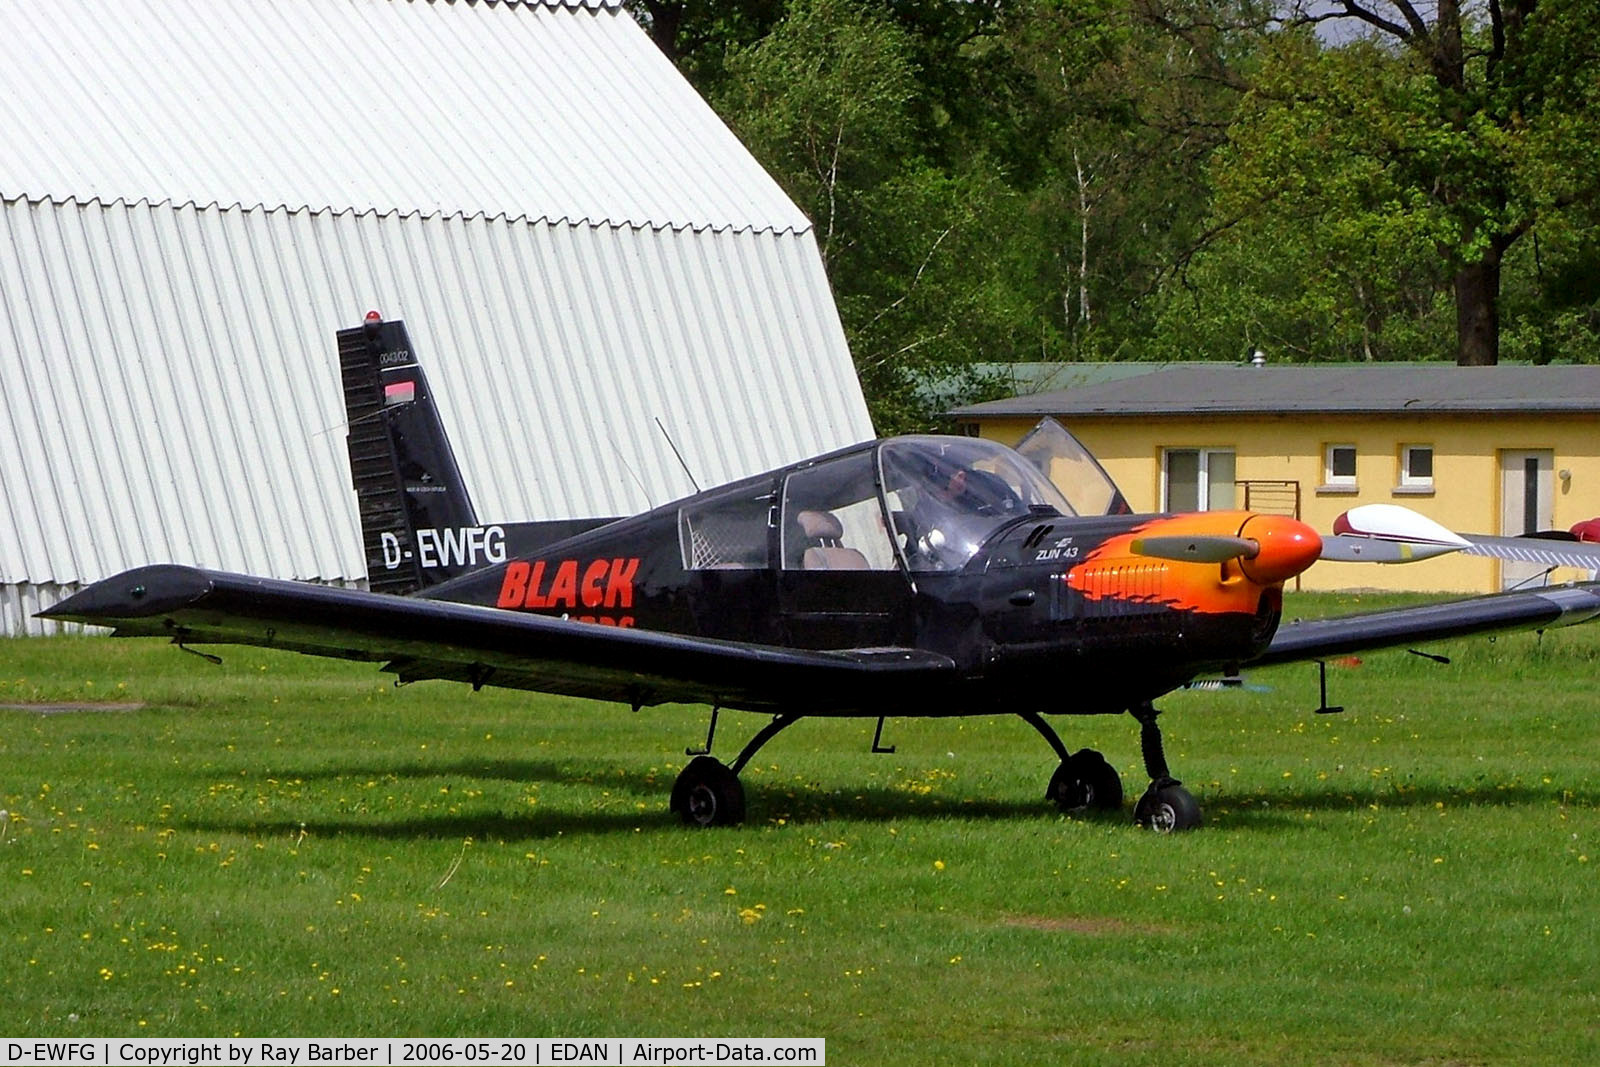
pixel 404 106
pixel 196 194
pixel 1368 389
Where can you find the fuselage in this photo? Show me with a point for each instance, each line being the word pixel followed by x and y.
pixel 1040 608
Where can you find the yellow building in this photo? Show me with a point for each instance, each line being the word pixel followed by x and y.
pixel 1490 450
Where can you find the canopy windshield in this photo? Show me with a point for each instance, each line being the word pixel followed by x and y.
pixel 1061 457
pixel 946 495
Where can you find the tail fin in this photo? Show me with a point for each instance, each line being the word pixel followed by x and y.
pixel 408 487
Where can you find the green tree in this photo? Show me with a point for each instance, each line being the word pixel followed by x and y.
pixel 698 34
pixel 919 254
pixel 1317 248
pixel 1120 194
pixel 1460 131
pixel 824 102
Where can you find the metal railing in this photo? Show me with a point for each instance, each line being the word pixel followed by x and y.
pixel 1271 498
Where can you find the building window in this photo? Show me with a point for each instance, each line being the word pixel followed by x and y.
pixel 1416 466
pixel 1197 479
pixel 1339 468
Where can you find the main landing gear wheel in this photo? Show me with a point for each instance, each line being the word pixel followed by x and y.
pixel 707 793
pixel 1085 782
pixel 1167 808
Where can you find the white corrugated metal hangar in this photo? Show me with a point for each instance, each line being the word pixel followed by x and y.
pixel 196 194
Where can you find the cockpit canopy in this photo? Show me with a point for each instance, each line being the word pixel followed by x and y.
pixel 946 495
pixel 928 503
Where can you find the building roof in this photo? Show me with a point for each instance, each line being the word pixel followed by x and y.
pixel 404 106
pixel 1372 389
pixel 1039 377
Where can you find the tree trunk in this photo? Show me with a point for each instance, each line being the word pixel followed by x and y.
pixel 1478 311
pixel 665 20
pixel 1083 243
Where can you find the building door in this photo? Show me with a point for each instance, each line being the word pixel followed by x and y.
pixel 1527 505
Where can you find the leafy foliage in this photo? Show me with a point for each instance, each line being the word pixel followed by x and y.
pixel 1410 160
pixel 829 100
pixel 1172 179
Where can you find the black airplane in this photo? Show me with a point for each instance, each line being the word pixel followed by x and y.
pixel 921 576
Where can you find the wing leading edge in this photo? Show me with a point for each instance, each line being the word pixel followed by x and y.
pixel 1531 610
pixel 421 639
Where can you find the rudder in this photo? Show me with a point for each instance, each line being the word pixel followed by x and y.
pixel 401 465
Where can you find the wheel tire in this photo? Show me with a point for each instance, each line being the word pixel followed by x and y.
pixel 1167 810
pixel 707 793
pixel 1085 782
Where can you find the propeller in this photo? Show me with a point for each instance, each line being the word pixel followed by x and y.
pixel 1282 547
pixel 1196 548
pixel 1269 548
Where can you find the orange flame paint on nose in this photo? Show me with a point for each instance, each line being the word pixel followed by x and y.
pixel 1288 547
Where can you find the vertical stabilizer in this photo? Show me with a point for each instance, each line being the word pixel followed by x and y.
pixel 413 503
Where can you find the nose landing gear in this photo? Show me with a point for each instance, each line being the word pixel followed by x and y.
pixel 1165 806
pixel 1085 782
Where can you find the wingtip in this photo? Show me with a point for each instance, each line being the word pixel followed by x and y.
pixel 134 594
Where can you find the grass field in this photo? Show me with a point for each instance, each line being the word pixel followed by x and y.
pixel 284 846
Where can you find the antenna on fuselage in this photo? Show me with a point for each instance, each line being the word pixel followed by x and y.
pixel 649 496
pixel 675 452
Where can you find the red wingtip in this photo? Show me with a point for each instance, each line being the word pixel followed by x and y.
pixel 1587 530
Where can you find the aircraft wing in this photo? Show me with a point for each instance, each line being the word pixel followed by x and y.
pixel 1550 551
pixel 1536 609
pixel 419 639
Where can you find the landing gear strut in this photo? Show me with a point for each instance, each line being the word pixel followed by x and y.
pixel 1165 806
pixel 708 792
pixel 1083 781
